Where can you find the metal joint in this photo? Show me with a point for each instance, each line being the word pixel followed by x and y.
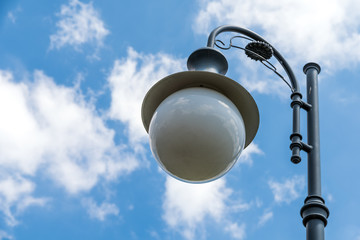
pixel 295 147
pixel 295 135
pixel 296 102
pixel 296 94
pixel 303 146
pixel 306 106
pixel 314 208
pixel 296 144
pixel 306 147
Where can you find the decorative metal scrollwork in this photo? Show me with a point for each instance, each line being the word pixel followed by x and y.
pixel 256 50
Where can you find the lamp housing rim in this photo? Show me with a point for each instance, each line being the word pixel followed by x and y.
pixel 241 98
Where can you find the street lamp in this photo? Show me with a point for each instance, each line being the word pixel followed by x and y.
pixel 199 121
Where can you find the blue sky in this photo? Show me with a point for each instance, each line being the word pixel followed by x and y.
pixel 74 157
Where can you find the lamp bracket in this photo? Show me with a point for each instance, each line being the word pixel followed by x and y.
pixel 304 105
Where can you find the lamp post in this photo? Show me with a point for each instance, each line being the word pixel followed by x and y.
pixel 199 121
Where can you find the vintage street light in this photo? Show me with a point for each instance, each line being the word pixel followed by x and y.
pixel 199 121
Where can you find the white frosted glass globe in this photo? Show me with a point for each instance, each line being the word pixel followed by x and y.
pixel 196 134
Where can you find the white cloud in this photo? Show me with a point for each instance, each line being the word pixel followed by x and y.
pixel 13 14
pixel 100 212
pixel 265 218
pixel 288 190
pixel 50 127
pixel 187 207
pixel 15 192
pixel 246 155
pixel 130 79
pixel 11 17
pixel 236 231
pixel 5 236
pixel 329 197
pixel 324 31
pixel 31 201
pixel 190 203
pixel 79 23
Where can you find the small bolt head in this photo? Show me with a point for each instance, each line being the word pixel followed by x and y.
pixel 295 159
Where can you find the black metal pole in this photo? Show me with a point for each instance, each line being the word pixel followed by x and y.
pixel 314 211
pixel 314 174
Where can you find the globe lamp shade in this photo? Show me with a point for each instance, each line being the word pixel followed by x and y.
pixel 198 123
pixel 196 134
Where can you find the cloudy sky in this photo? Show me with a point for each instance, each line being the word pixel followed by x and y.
pixel 74 157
